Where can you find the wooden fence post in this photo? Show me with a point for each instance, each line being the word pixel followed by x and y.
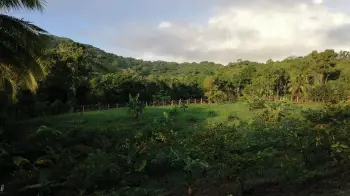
pixel 172 102
pixel 201 100
pixel 180 102
pixel 195 101
pixel 146 104
pixel 187 101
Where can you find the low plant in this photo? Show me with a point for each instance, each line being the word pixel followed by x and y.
pixel 256 103
pixel 189 165
pixel 191 118
pixel 184 107
pixel 135 106
pixel 212 113
pixel 232 116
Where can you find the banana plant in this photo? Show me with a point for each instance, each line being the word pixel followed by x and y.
pixel 184 107
pixel 135 106
pixel 189 166
pixel 136 156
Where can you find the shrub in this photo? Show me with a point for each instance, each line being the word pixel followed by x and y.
pixel 191 119
pixel 57 107
pixel 256 103
pixel 232 116
pixel 135 106
pixel 173 111
pixel 212 113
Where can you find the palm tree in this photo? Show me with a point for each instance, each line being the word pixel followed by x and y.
pixel 299 86
pixel 21 44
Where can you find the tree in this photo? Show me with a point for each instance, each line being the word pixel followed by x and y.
pixel 299 86
pixel 21 44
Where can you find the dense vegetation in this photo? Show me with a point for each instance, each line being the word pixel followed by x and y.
pixel 206 149
pixel 263 144
pixel 80 74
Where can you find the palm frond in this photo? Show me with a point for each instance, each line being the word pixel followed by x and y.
pixel 21 44
pixel 22 4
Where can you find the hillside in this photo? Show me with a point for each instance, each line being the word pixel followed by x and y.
pixel 104 62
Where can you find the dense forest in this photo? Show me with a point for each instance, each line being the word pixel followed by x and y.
pixel 79 74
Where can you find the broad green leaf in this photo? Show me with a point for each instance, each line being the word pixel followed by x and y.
pixel 20 160
pixel 141 165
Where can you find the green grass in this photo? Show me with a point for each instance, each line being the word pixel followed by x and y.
pixel 120 117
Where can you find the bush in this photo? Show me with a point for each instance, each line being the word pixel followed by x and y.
pixel 191 119
pixel 58 107
pixel 173 111
pixel 212 113
pixel 256 103
pixel 232 116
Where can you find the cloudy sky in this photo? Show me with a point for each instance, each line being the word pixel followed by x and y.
pixel 200 30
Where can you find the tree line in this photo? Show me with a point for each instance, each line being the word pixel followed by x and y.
pixel 51 75
pixel 74 75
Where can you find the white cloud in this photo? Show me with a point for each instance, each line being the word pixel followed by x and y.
pixel 164 24
pixel 317 1
pixel 256 31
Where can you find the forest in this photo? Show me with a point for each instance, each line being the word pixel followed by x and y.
pixel 78 74
pixel 273 128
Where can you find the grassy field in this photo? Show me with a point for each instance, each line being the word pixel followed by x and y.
pixel 120 117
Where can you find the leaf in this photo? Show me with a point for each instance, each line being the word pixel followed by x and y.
pixel 142 165
pixel 3 152
pixel 20 160
pixel 176 153
pixel 34 186
pixel 343 146
pixel 43 161
pixel 131 151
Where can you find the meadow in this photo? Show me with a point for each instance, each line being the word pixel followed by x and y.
pixel 119 117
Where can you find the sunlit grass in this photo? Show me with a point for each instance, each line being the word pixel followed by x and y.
pixel 120 117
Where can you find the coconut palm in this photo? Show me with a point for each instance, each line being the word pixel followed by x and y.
pixel 299 86
pixel 21 44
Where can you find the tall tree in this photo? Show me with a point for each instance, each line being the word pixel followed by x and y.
pixel 21 44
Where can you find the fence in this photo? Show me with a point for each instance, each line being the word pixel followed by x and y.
pixel 84 108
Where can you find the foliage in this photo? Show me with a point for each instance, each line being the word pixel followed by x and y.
pixel 135 106
pixel 189 166
pixel 282 143
pixel 21 46
pixel 184 107
pixel 256 103
pixel 212 113
pixel 160 97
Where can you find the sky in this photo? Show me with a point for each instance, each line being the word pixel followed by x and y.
pixel 221 31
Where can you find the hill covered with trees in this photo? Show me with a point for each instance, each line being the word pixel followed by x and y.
pixel 79 74
pixel 258 147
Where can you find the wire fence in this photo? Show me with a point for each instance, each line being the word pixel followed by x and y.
pixel 85 108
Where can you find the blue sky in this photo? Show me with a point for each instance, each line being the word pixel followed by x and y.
pixel 196 30
pixel 83 20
